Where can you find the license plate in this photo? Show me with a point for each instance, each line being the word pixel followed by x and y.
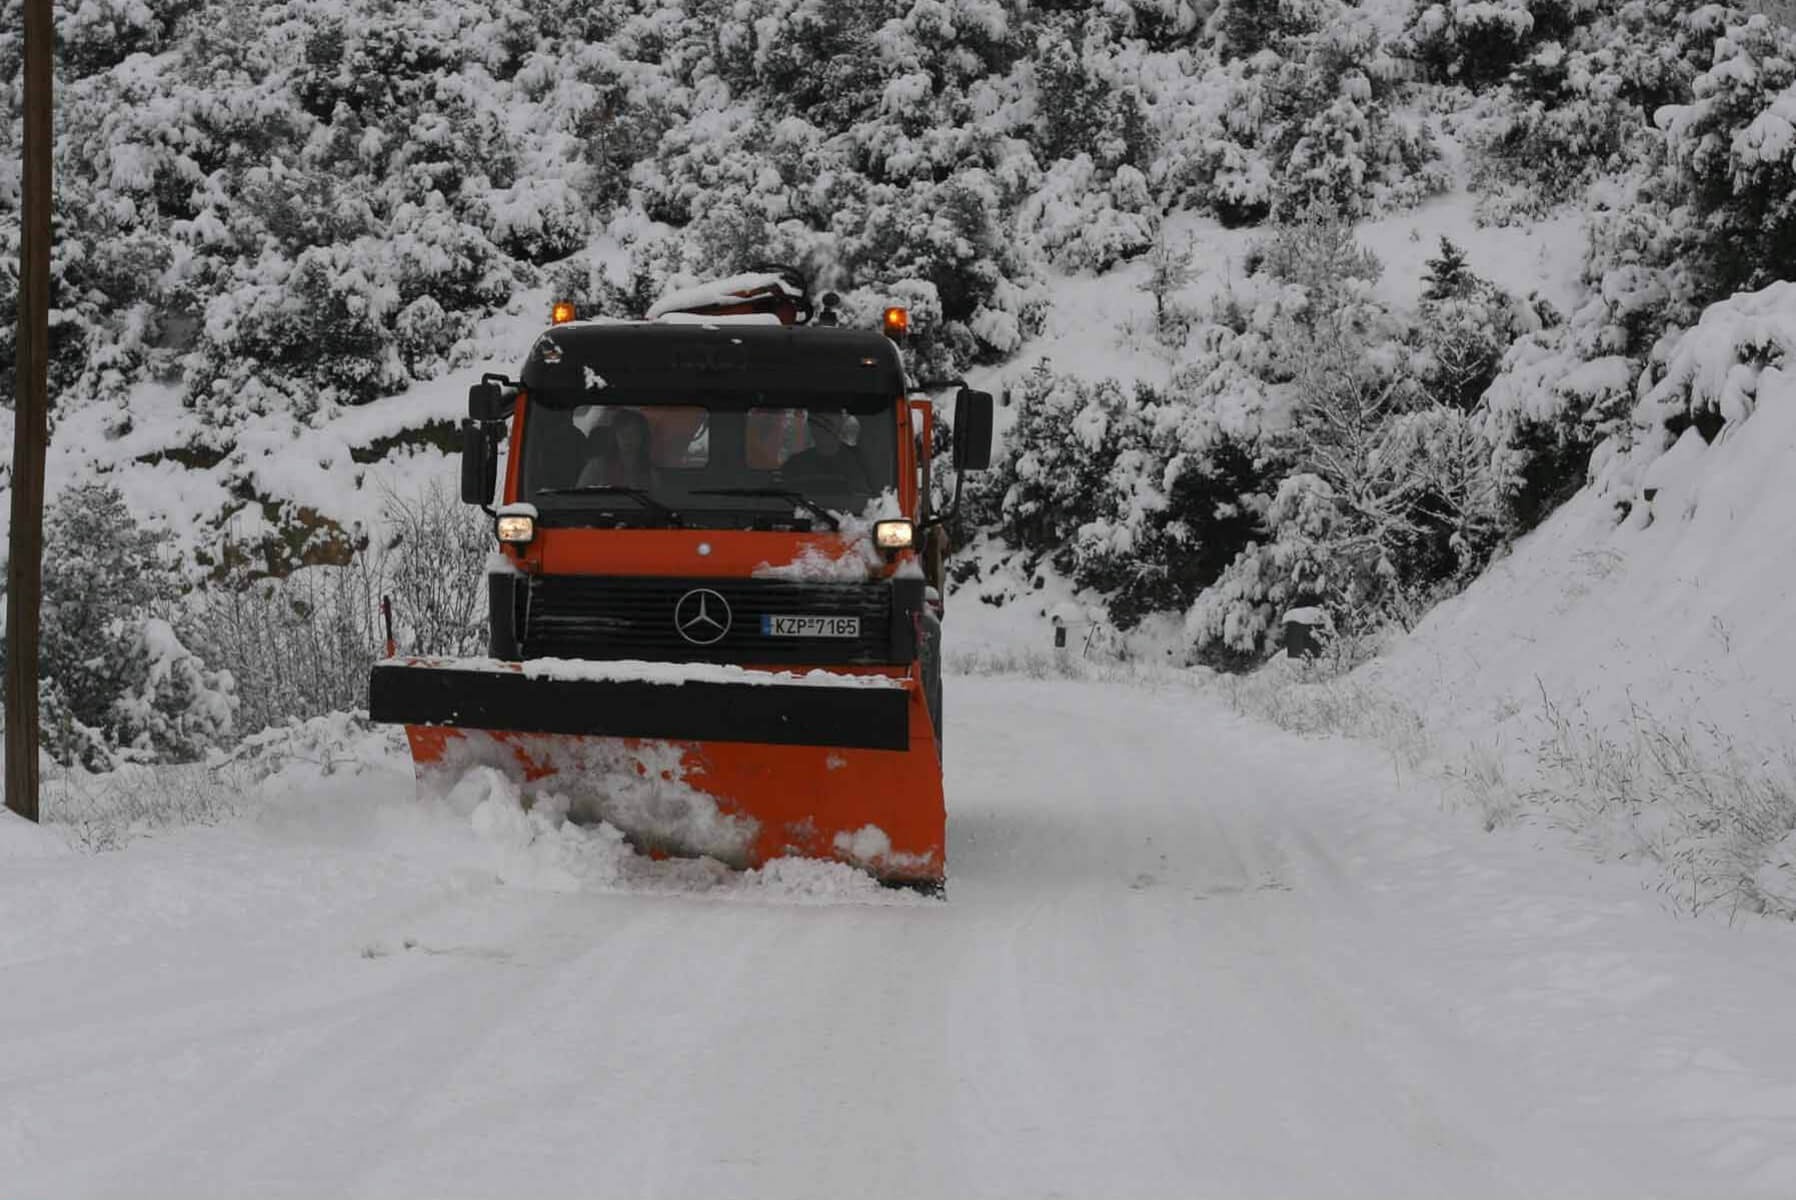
pixel 815 627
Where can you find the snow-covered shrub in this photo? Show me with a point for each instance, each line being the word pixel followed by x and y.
pixel 1464 326
pixel 298 646
pixel 1169 270
pixel 1078 112
pixel 116 682
pixel 1317 252
pixel 424 333
pixel 1309 111
pixel 434 567
pixel 1142 496
pixel 1312 558
pixel 1538 142
pixel 1058 459
pixel 1581 106
pixel 1341 142
pixel 1171 529
pixel 95 35
pixel 1733 146
pixel 1706 379
pixel 1244 28
pixel 1347 400
pixel 1439 468
pixel 1382 540
pixel 1388 498
pixel 942 245
pixel 1083 226
pixel 302 645
pixel 1567 385
pixel 1552 401
pixel 1480 41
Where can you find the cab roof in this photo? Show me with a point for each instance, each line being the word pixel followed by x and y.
pixel 725 355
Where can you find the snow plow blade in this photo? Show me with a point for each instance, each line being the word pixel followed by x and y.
pixel 691 759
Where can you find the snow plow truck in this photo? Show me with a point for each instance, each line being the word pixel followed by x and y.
pixel 715 600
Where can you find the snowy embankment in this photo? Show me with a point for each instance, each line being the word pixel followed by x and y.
pixel 1181 954
pixel 1633 662
pixel 340 463
pixel 1665 584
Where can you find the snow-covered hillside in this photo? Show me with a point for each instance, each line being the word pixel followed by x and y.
pixel 1666 584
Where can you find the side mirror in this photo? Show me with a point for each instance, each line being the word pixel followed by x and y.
pixel 479 464
pixel 972 430
pixel 490 399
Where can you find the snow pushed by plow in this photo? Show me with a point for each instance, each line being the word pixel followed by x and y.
pixel 539 847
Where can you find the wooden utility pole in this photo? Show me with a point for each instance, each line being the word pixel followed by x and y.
pixel 24 568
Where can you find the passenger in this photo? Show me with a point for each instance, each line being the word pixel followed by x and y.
pixel 621 457
pixel 831 463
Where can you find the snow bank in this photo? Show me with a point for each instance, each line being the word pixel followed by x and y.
pixel 20 838
pixel 1664 585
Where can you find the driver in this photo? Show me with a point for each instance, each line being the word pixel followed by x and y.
pixel 831 463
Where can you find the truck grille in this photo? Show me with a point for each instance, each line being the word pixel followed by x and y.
pixel 634 618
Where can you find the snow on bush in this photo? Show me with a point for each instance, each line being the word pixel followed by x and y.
pixel 1732 146
pixel 1478 41
pixel 309 205
pixel 1706 382
pixel 1140 495
pixel 1387 498
pixel 302 645
pixel 117 682
pixel 1304 110
pixel 1312 449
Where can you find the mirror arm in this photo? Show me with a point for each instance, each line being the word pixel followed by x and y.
pixel 941 519
pixel 495 434
pixel 938 520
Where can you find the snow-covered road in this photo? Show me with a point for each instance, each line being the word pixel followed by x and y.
pixel 1183 955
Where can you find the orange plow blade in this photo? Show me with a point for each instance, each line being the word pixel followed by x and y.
pixel 742 766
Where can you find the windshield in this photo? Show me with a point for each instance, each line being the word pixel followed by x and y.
pixel 728 461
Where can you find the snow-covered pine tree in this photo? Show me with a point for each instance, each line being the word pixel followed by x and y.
pixel 1464 325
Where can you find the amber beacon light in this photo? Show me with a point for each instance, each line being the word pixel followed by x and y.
pixel 562 313
pixel 897 322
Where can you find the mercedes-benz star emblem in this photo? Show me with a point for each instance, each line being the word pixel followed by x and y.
pixel 702 616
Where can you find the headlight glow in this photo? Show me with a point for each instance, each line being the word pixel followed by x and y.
pixel 517 530
pixel 894 535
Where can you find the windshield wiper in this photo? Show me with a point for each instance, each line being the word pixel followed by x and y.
pixel 640 495
pixel 799 498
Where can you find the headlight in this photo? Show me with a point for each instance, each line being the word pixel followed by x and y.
pixel 516 529
pixel 894 535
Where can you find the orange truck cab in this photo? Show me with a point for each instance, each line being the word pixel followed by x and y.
pixel 715 603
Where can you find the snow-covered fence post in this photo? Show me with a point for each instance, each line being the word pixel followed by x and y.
pixel 24 571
